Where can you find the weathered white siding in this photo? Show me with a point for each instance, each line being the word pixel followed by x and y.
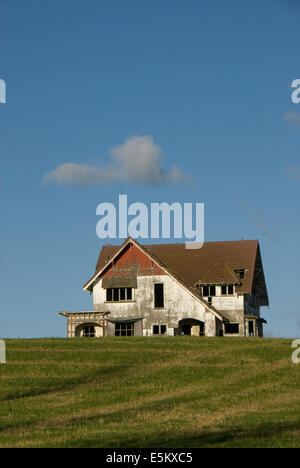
pixel 178 304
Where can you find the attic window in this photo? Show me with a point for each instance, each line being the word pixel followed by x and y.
pixel 240 273
pixel 158 295
pixel 227 290
pixel 208 291
pixel 118 294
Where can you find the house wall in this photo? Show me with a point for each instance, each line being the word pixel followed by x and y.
pixel 178 304
pixel 232 307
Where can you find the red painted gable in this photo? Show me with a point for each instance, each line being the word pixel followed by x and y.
pixel 132 261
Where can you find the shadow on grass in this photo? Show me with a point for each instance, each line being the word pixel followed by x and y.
pixel 68 385
pixel 263 435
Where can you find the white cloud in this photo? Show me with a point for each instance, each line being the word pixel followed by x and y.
pixel 138 160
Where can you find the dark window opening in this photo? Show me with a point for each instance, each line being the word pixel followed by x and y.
pixel 109 294
pixel 118 294
pixel 251 327
pixel 159 329
pixel 124 329
pixel 208 291
pixel 232 328
pixel 209 300
pixel 122 294
pixel 227 290
pixel 240 273
pixel 89 332
pixel 129 294
pixel 158 295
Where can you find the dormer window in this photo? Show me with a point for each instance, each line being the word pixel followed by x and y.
pixel 240 273
pixel 208 291
pixel 227 290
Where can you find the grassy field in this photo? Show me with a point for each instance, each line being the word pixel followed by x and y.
pixel 179 392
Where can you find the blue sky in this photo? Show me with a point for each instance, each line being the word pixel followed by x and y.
pixel 209 81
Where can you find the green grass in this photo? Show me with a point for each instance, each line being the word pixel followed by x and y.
pixel 180 392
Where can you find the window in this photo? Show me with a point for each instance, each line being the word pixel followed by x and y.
pixel 118 294
pixel 240 273
pixel 109 294
pixel 232 328
pixel 129 294
pixel 208 291
pixel 124 329
pixel 227 290
pixel 89 332
pixel 159 329
pixel 158 295
pixel 122 294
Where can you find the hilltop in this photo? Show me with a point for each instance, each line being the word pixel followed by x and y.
pixel 175 392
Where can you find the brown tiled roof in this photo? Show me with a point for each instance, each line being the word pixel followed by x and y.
pixel 215 262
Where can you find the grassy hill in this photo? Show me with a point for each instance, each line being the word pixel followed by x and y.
pixel 149 392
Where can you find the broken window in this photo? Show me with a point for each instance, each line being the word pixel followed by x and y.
pixel 89 332
pixel 227 290
pixel 158 295
pixel 240 273
pixel 159 329
pixel 124 329
pixel 208 291
pixel 118 294
pixel 232 328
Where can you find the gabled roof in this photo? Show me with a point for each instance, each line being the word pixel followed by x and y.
pixel 191 266
pixel 101 268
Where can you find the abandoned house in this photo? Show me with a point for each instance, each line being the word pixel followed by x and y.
pixel 166 289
